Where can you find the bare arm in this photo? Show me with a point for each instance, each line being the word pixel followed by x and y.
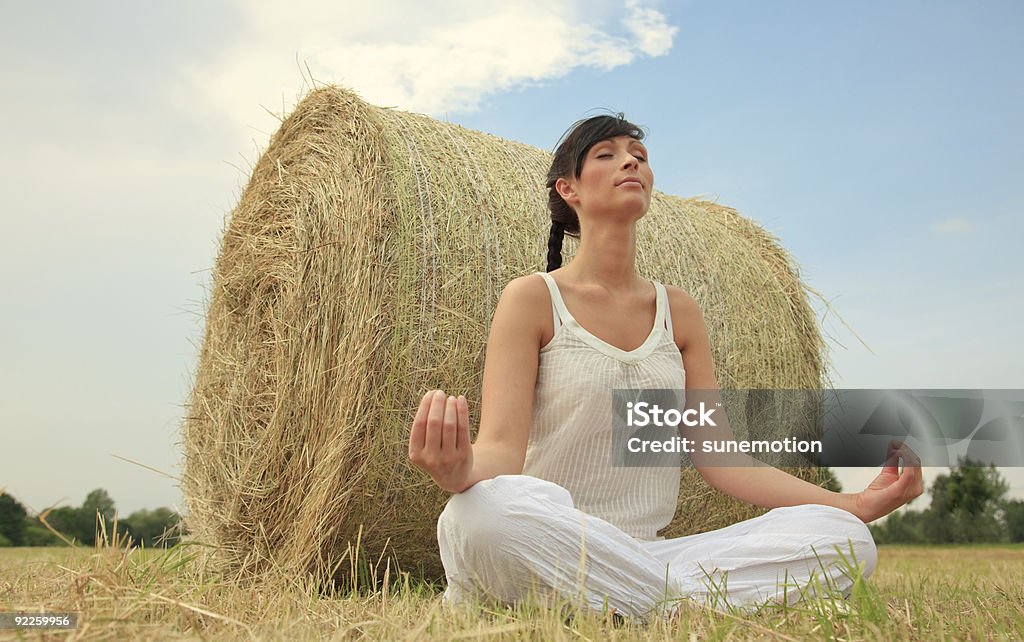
pixel 741 476
pixel 439 440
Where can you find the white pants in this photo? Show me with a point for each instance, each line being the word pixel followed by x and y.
pixel 506 536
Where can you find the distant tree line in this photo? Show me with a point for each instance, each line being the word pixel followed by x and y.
pixel 149 528
pixel 969 506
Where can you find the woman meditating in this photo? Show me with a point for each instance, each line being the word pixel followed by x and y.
pixel 538 505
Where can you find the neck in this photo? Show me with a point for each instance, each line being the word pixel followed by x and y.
pixel 606 257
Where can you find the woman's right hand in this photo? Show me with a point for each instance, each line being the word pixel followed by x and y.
pixel 439 440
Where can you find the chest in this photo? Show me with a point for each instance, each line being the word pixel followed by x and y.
pixel 624 323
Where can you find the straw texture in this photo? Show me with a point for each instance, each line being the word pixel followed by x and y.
pixel 360 268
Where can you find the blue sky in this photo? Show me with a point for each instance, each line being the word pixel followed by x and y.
pixel 879 141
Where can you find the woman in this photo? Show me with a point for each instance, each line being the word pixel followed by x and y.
pixel 537 503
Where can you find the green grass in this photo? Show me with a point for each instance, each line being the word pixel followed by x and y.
pixel 917 593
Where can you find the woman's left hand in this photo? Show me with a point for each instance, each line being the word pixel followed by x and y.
pixel 891 489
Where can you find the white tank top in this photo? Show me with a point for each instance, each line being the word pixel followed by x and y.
pixel 570 436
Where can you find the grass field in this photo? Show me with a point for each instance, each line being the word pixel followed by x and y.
pixel 917 593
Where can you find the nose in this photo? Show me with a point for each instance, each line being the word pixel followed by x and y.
pixel 630 161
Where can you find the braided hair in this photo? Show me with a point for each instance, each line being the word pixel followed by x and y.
pixel 568 161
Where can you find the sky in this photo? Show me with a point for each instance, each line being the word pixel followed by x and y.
pixel 879 141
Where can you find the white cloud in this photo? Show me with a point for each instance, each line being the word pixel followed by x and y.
pixel 952 226
pixel 651 29
pixel 401 54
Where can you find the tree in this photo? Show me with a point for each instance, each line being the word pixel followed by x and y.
pixel 81 524
pixel 158 527
pixel 900 527
pixel 100 502
pixel 38 535
pixel 967 505
pixel 97 505
pixel 71 523
pixel 1014 516
pixel 12 521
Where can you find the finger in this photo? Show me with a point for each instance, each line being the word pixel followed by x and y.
pixel 913 469
pixel 451 424
pixel 912 465
pixel 435 421
pixel 419 425
pixel 462 435
pixel 892 460
pixel 915 459
pixel 909 457
pixel 907 485
pixel 909 481
pixel 900 456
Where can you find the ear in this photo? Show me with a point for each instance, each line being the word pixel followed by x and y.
pixel 567 191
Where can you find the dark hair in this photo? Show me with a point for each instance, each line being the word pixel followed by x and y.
pixel 568 161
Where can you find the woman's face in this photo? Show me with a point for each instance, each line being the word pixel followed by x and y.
pixel 615 175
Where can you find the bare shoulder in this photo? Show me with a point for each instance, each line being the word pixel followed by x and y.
pixel 687 318
pixel 529 291
pixel 525 300
pixel 531 286
pixel 680 301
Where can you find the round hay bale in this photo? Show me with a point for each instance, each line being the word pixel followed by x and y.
pixel 360 268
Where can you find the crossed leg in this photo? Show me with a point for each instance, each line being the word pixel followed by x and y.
pixel 512 534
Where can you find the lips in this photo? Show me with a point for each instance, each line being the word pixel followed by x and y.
pixel 631 180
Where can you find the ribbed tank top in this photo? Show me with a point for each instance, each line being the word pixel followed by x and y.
pixel 570 434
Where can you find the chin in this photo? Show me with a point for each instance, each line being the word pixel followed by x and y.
pixel 637 214
pixel 639 210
